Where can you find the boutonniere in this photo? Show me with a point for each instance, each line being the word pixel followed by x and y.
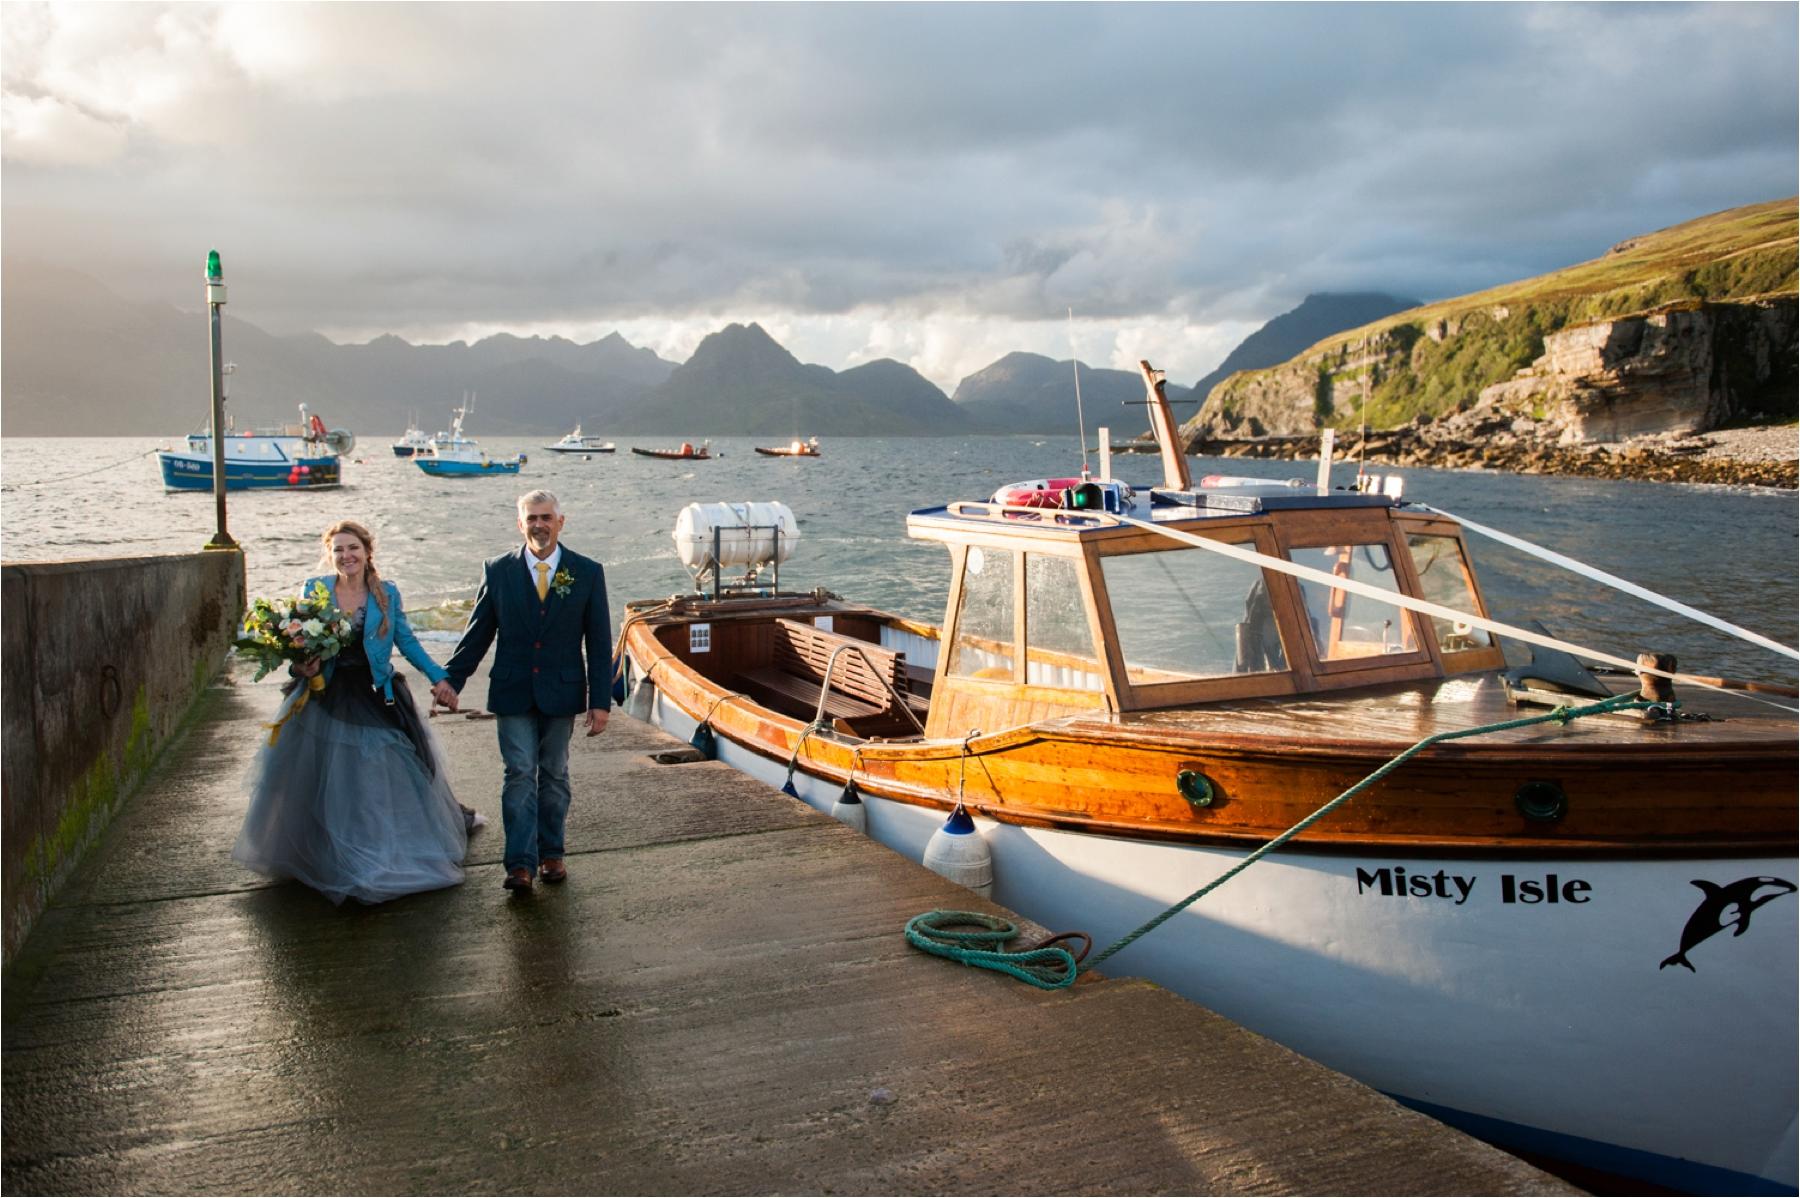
pixel 561 581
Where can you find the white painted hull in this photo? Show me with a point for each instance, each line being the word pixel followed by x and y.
pixel 1550 1026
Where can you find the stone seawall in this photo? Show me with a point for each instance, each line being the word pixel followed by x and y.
pixel 102 660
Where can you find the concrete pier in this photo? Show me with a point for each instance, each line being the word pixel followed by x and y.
pixel 719 1000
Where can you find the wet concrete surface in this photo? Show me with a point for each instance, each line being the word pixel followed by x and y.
pixel 720 1000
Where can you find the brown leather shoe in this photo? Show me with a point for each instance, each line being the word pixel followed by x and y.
pixel 517 879
pixel 551 870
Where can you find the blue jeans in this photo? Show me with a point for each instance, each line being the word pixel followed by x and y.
pixel 535 797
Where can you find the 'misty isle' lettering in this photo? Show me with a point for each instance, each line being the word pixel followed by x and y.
pixel 1394 881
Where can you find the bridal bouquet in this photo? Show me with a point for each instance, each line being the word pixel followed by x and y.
pixel 278 631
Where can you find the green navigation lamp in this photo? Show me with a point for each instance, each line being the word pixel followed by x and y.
pixel 215 278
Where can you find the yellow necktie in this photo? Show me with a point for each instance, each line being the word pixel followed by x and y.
pixel 543 569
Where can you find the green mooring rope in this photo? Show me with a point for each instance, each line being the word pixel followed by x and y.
pixel 1045 968
pixel 1029 966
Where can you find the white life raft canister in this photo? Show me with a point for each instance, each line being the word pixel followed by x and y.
pixel 746 534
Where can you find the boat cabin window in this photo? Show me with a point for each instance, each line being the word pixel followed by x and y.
pixel 1059 645
pixel 1346 625
pixel 1187 613
pixel 1444 578
pixel 983 647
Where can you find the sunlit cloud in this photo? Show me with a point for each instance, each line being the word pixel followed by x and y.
pixel 936 184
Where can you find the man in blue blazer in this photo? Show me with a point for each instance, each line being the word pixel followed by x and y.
pixel 543 601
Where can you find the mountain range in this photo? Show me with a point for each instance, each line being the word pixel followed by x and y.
pixel 77 359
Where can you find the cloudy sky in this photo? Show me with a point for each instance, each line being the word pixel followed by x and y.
pixel 934 183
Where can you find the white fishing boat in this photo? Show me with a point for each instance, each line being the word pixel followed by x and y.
pixel 574 442
pixel 412 441
pixel 1499 893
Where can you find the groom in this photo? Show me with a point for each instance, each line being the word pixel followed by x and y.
pixel 543 600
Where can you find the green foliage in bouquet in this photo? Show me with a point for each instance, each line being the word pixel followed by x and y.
pixel 279 631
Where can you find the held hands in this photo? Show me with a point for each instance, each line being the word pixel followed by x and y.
pixel 596 720
pixel 305 669
pixel 443 694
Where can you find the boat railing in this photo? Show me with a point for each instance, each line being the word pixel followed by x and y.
pixel 898 700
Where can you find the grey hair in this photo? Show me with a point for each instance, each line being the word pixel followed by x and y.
pixel 532 498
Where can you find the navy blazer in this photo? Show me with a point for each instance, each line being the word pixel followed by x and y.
pixel 538 663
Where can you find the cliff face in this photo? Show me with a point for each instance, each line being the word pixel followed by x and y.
pixel 1300 396
pixel 1681 369
pixel 1674 331
pixel 1684 369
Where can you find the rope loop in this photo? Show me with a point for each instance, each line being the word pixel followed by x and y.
pixel 1048 966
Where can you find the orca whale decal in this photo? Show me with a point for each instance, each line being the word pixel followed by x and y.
pixel 1724 907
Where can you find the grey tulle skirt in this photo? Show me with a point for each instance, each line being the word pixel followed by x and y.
pixel 353 799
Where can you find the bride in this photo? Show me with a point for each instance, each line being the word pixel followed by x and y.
pixel 352 796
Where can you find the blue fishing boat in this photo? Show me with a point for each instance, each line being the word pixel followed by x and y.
pixel 305 456
pixel 454 455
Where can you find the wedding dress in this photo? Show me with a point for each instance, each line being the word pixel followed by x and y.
pixel 353 798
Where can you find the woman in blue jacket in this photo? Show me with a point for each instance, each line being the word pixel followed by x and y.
pixel 351 796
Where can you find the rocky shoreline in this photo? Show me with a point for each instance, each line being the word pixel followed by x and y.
pixel 1763 456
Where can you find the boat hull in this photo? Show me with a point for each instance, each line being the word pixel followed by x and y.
pixel 578 449
pixel 194 472
pixel 1532 998
pixel 672 457
pixel 403 451
pixel 444 468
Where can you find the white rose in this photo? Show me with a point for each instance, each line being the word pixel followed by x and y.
pixel 312 628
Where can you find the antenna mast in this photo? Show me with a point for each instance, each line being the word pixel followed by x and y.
pixel 1080 419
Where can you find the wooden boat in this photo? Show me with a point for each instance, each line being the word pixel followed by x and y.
pixel 1519 932
pixel 793 449
pixel 687 452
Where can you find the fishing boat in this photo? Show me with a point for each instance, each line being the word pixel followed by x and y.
pixel 793 449
pixel 412 441
pixel 574 442
pixel 457 456
pixel 1507 900
pixel 303 456
pixel 687 453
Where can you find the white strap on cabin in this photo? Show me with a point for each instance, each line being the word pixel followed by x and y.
pixel 1424 606
pixel 1617 583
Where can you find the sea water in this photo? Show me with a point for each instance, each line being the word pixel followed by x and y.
pixel 1728 551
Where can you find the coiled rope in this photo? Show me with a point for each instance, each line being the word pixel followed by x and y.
pixel 1048 966
pixel 981 949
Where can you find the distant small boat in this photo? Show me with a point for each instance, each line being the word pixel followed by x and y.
pixel 455 454
pixel 687 452
pixel 576 443
pixel 793 449
pixel 411 441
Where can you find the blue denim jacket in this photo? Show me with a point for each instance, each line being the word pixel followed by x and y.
pixel 381 648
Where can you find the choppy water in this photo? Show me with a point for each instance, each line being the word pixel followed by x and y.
pixel 1728 551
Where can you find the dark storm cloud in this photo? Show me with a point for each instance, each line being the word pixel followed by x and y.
pixel 396 166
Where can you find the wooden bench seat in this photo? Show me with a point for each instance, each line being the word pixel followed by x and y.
pixel 859 697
